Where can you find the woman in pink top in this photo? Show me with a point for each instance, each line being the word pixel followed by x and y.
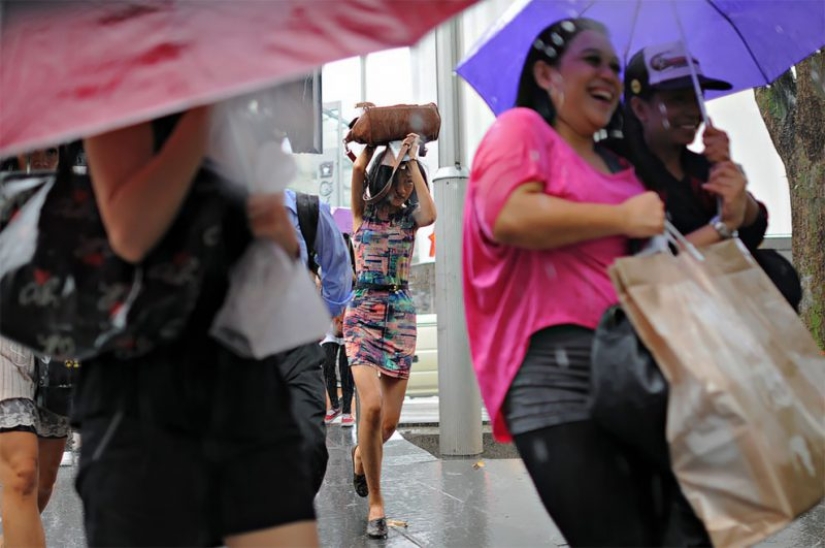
pixel 547 212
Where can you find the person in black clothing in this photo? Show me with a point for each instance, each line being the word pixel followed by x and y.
pixel 336 354
pixel 705 194
pixel 189 444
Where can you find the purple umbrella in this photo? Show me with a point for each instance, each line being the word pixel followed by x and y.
pixel 747 43
pixel 343 219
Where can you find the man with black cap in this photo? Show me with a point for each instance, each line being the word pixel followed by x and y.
pixel 705 194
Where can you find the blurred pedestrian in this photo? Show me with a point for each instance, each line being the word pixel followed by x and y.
pixel 188 445
pixel 336 355
pixel 38 160
pixel 32 438
pixel 323 250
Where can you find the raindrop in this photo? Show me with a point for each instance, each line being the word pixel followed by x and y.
pixel 550 271
pixel 779 29
pixel 557 39
pixel 663 112
pixel 538 44
pixel 561 358
pixel 535 155
pixel 790 98
pixel 540 450
pixel 818 80
pixel 568 26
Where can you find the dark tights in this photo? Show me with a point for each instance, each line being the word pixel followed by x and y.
pixel 333 351
pixel 596 492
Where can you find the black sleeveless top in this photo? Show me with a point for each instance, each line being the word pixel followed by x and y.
pixel 174 383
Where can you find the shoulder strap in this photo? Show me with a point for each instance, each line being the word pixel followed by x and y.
pixel 615 162
pixel 308 207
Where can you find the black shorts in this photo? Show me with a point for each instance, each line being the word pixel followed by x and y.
pixel 186 448
pixel 142 486
pixel 552 386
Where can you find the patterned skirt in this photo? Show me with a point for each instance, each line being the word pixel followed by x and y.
pixel 380 331
pixel 22 415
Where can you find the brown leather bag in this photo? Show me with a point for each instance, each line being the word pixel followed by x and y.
pixel 380 125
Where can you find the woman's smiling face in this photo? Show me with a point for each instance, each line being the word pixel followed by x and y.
pixel 585 86
pixel 672 117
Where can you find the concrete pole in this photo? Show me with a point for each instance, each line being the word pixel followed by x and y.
pixel 459 402
pixel 362 65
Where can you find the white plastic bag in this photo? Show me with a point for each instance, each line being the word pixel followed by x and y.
pixel 272 304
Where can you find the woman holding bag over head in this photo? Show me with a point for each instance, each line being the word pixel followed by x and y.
pixel 187 445
pixel 547 212
pixel 390 201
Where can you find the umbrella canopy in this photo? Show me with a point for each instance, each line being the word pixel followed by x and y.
pixel 747 43
pixel 74 68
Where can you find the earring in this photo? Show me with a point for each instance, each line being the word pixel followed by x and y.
pixel 556 90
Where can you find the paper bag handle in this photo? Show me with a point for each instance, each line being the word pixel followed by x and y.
pixel 671 235
pixel 678 239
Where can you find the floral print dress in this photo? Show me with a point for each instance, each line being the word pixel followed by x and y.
pixel 380 323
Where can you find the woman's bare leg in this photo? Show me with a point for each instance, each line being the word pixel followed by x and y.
pixel 370 451
pixel 18 474
pixel 300 534
pixel 393 391
pixel 50 451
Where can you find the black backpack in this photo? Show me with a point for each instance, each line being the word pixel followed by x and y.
pixel 308 206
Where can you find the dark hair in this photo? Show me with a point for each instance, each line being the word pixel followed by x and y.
pixel 71 155
pixel 378 176
pixel 348 240
pixel 10 164
pixel 549 46
pixel 636 148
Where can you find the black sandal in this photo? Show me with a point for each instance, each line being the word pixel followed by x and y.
pixel 359 481
pixel 377 528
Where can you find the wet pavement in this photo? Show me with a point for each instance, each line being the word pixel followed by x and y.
pixel 443 502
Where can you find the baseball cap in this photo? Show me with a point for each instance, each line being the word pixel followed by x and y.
pixel 664 67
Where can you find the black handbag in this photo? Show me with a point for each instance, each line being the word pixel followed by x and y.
pixel 65 294
pixel 628 391
pixel 54 384
pixel 782 273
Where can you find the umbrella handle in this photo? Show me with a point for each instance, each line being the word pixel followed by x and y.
pixel 700 98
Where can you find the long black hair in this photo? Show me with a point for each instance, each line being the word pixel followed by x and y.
pixel 549 46
pixel 71 155
pixel 378 177
pixel 350 249
pixel 10 164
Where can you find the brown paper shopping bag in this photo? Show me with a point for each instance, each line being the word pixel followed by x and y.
pixel 746 412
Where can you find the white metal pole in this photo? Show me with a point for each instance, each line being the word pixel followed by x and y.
pixel 459 401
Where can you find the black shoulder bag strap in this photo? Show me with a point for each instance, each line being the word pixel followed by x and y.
pixel 308 207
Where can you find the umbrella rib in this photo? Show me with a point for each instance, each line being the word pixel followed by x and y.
pixel 632 31
pixel 724 16
pixel 590 5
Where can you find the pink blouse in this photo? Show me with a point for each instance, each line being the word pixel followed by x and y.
pixel 509 292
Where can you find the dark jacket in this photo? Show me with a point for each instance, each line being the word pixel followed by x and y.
pixel 688 205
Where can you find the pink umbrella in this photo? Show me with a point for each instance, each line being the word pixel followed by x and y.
pixel 75 68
